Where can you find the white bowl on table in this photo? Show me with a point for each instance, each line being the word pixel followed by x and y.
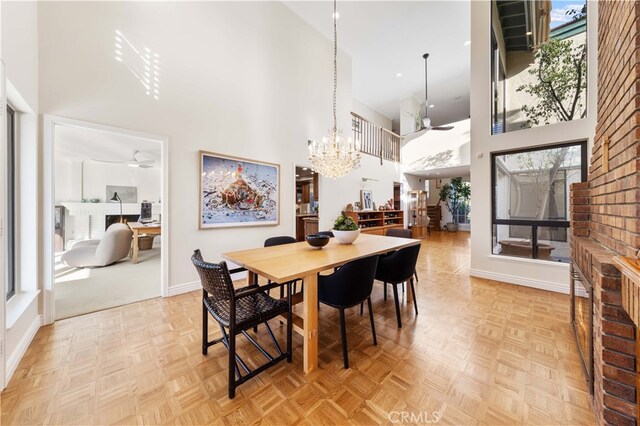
pixel 345 237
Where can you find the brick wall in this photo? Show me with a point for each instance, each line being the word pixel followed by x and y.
pixel 615 201
pixel 605 211
pixel 614 343
pixel 615 195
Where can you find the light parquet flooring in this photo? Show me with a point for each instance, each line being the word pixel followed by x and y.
pixel 479 352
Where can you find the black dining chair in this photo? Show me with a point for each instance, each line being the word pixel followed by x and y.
pixel 238 310
pixel 349 286
pixel 400 233
pixel 278 241
pixel 397 268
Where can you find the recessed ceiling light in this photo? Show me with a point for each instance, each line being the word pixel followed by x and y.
pixel 431 106
pixel 305 169
pixel 528 33
pixel 399 75
pixel 297 175
pixel 467 43
pixel 336 15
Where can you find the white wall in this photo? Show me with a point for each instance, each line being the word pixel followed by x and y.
pixel 408 107
pixel 98 175
pixel 414 183
pixel 438 150
pixel 371 114
pixel 20 48
pixel 19 35
pixel 246 79
pixel 534 273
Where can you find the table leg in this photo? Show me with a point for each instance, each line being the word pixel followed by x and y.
pixel 251 277
pixel 310 317
pixel 135 246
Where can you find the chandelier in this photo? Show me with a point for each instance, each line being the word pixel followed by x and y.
pixel 336 155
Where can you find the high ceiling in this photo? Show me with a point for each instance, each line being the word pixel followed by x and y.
pixel 385 38
pixel 88 144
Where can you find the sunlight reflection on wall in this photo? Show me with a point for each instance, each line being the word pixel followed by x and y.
pixel 144 64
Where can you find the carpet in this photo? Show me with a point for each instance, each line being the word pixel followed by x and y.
pixel 80 291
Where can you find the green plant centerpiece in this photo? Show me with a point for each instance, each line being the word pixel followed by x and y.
pixel 455 196
pixel 345 229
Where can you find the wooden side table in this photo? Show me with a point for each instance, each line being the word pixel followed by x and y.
pixel 141 228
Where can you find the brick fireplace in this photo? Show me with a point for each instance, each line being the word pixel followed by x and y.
pixel 605 217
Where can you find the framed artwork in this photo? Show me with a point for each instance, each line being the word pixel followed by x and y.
pixel 238 192
pixel 438 183
pixel 128 194
pixel 366 199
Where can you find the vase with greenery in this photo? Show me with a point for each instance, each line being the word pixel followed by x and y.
pixel 345 229
pixel 455 196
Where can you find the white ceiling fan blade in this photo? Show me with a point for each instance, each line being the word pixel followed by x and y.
pixel 107 161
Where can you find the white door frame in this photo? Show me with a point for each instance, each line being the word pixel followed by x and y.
pixel 3 221
pixel 50 123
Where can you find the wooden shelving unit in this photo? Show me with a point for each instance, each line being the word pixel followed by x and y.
pixel 418 214
pixel 377 222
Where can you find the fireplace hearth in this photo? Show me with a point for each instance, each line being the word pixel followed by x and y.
pixel 110 219
pixel 582 319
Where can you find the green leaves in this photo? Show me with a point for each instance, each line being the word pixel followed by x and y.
pixel 344 223
pixel 455 195
pixel 559 83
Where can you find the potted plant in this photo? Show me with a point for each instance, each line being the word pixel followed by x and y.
pixel 345 229
pixel 454 195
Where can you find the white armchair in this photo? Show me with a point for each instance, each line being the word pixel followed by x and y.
pixel 114 245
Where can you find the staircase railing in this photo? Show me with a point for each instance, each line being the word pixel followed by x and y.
pixel 375 140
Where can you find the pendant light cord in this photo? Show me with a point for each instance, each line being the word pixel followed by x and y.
pixel 335 63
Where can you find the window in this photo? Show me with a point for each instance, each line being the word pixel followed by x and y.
pixel 463 213
pixel 538 63
pixel 11 202
pixel 530 200
pixel 498 89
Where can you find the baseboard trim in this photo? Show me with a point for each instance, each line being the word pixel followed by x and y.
pixel 21 349
pixel 177 289
pixel 527 282
pixel 184 288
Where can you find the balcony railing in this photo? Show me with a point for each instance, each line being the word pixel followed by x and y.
pixel 375 140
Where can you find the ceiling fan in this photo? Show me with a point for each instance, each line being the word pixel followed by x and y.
pixel 132 162
pixel 426 120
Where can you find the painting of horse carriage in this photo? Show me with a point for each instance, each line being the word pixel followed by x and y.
pixel 238 192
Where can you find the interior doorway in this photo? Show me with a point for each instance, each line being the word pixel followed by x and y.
pixel 108 206
pixel 307 202
pixel 397 196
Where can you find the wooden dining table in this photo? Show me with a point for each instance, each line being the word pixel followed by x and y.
pixel 288 262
